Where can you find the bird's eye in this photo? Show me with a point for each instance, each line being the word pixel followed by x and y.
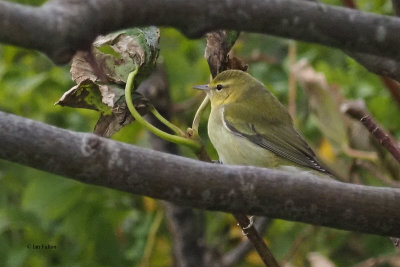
pixel 219 87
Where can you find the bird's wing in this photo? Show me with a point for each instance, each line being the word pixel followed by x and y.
pixel 279 137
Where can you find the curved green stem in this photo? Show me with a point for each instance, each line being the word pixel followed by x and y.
pixel 196 120
pixel 169 137
pixel 170 125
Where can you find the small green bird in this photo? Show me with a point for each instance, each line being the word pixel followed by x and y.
pixel 249 126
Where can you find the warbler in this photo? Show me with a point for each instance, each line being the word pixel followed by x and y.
pixel 249 126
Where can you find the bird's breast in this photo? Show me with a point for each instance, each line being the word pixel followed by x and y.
pixel 234 149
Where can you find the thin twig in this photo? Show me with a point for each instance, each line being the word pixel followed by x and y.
pixel 357 111
pixel 236 254
pixel 251 232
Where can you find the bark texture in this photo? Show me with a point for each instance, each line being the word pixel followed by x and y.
pixel 238 189
pixel 59 28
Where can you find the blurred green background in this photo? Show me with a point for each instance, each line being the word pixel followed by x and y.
pixel 94 226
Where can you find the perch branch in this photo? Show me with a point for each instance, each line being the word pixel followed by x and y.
pixel 237 189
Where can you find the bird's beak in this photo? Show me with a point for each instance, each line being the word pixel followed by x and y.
pixel 203 87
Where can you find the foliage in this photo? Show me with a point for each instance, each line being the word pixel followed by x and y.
pixel 96 226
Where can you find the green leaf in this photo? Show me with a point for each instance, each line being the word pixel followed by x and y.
pixel 51 197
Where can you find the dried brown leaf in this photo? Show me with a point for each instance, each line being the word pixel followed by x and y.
pixel 101 75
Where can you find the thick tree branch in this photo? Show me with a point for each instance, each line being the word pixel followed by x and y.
pixel 61 27
pixel 292 196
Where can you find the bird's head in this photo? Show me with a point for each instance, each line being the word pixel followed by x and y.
pixel 229 86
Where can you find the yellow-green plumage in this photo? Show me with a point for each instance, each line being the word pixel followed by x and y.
pixel 249 126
